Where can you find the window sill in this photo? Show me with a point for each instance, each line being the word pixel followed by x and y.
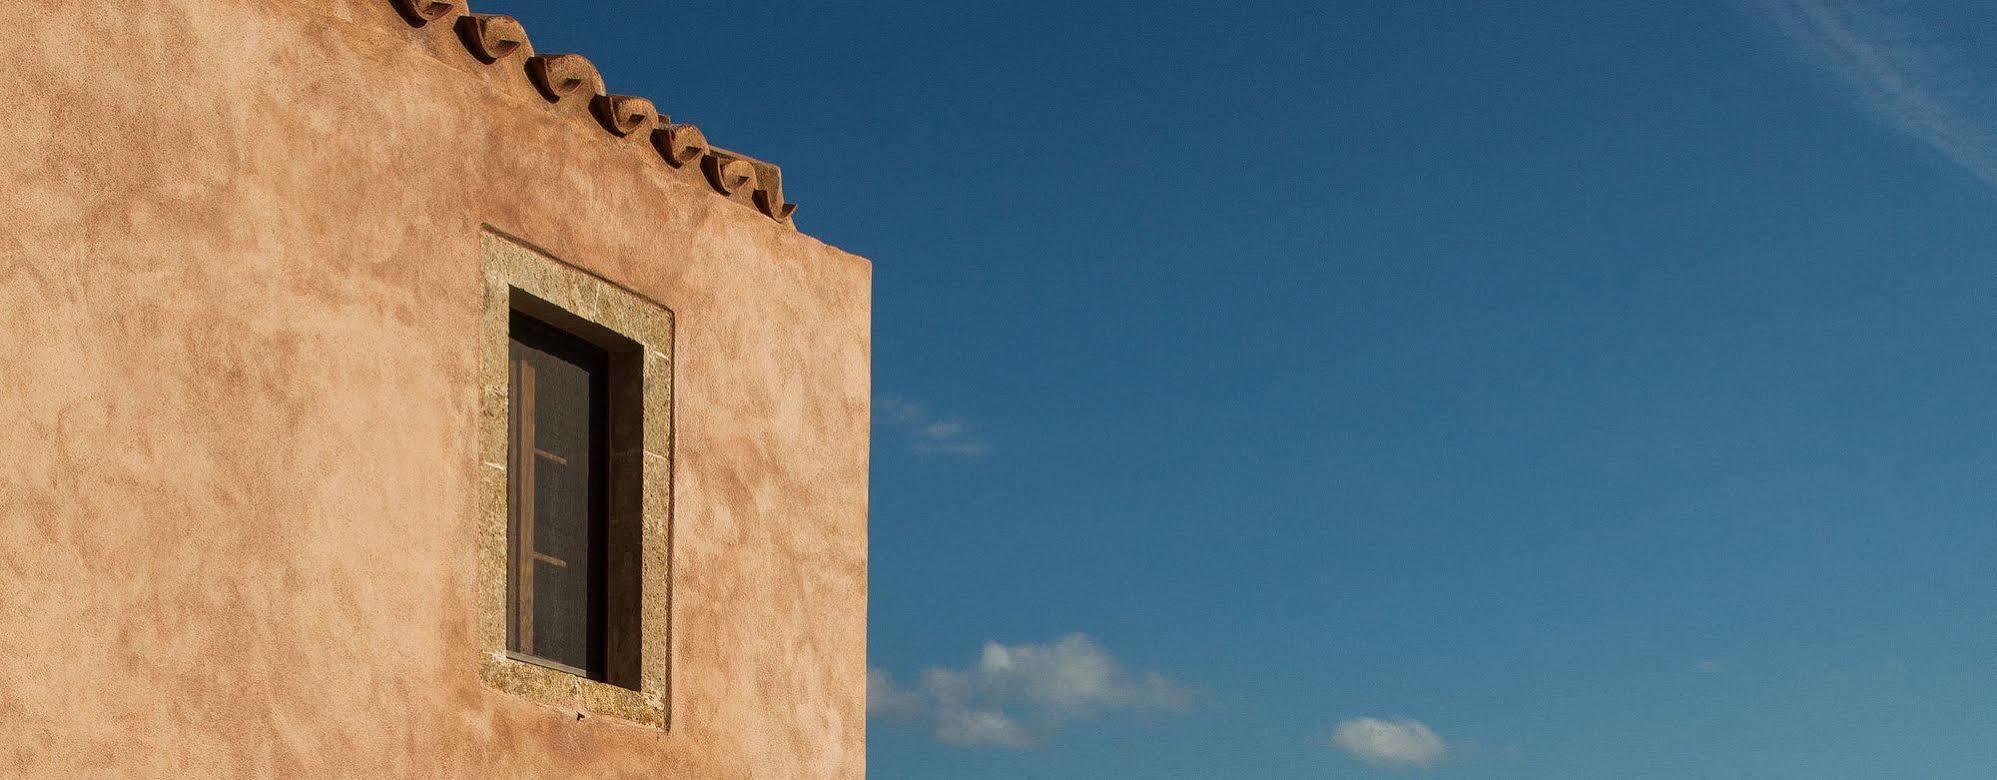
pixel 547 685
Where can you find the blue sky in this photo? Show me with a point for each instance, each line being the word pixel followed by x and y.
pixel 1491 389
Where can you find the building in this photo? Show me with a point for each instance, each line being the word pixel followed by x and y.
pixel 384 397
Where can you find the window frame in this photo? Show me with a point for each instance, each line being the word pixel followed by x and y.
pixel 637 336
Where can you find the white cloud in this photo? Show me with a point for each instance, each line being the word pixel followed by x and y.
pixel 1908 72
pixel 927 433
pixel 897 411
pixel 943 430
pixel 1392 744
pixel 1074 678
pixel 885 699
pixel 976 728
pixel 1015 696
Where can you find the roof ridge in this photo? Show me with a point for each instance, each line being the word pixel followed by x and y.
pixel 566 78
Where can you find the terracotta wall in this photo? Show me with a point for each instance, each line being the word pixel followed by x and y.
pixel 239 299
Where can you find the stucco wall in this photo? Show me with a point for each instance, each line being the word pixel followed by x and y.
pixel 239 303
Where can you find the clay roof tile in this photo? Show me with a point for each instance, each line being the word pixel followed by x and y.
pixel 562 78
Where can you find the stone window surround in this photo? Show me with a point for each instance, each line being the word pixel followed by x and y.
pixel 519 277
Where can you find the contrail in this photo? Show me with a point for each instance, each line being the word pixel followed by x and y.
pixel 1902 69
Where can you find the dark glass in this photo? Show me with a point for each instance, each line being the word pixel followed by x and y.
pixel 557 460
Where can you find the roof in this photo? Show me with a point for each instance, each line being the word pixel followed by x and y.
pixel 498 39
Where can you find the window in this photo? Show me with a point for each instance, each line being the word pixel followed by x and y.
pixel 556 531
pixel 575 444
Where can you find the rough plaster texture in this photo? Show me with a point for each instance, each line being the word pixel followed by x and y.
pixel 239 311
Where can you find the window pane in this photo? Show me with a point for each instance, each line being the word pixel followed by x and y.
pixel 558 526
